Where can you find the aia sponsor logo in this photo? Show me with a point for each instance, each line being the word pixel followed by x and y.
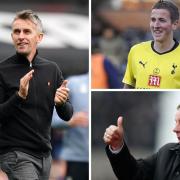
pixel 154 81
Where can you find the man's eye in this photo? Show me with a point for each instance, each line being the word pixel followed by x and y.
pixel 27 31
pixel 163 21
pixel 153 20
pixel 16 31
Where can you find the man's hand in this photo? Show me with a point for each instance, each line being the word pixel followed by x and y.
pixel 24 84
pixel 113 135
pixel 62 93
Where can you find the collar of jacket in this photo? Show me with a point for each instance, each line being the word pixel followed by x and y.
pixel 176 148
pixel 22 59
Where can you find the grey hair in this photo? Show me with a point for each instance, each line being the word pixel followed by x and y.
pixel 178 106
pixel 30 15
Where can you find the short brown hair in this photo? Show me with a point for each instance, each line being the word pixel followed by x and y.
pixel 170 6
pixel 29 15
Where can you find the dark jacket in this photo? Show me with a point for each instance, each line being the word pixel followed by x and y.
pixel 164 165
pixel 25 125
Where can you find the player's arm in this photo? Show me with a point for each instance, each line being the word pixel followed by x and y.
pixel 8 106
pixel 127 86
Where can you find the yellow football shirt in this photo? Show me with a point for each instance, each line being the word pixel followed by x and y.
pixel 148 69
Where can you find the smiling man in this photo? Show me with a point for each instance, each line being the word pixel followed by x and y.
pixel 30 87
pixel 155 64
pixel 163 165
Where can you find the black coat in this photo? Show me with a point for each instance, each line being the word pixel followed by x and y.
pixel 164 165
pixel 26 124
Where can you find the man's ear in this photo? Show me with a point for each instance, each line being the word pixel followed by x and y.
pixel 175 25
pixel 40 37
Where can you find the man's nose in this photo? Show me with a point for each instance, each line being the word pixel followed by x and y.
pixel 156 24
pixel 21 35
pixel 176 128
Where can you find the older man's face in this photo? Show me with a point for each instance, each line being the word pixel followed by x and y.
pixel 177 126
pixel 25 36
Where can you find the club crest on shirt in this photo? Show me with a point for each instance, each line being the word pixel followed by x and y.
pixel 174 66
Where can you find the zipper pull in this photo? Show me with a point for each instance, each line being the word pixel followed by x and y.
pixel 30 65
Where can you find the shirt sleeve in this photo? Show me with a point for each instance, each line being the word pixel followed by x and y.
pixel 129 75
pixel 125 166
pixel 64 111
pixel 57 122
pixel 116 151
pixel 8 105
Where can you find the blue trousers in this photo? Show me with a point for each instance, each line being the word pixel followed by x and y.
pixel 21 166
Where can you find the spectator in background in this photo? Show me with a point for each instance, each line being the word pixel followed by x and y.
pixel 104 73
pixel 155 64
pixel 163 165
pixel 113 47
pixel 75 143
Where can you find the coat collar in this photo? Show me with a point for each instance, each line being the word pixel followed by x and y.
pixel 176 148
pixel 23 59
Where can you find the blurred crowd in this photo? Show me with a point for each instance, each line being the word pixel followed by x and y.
pixel 114 45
